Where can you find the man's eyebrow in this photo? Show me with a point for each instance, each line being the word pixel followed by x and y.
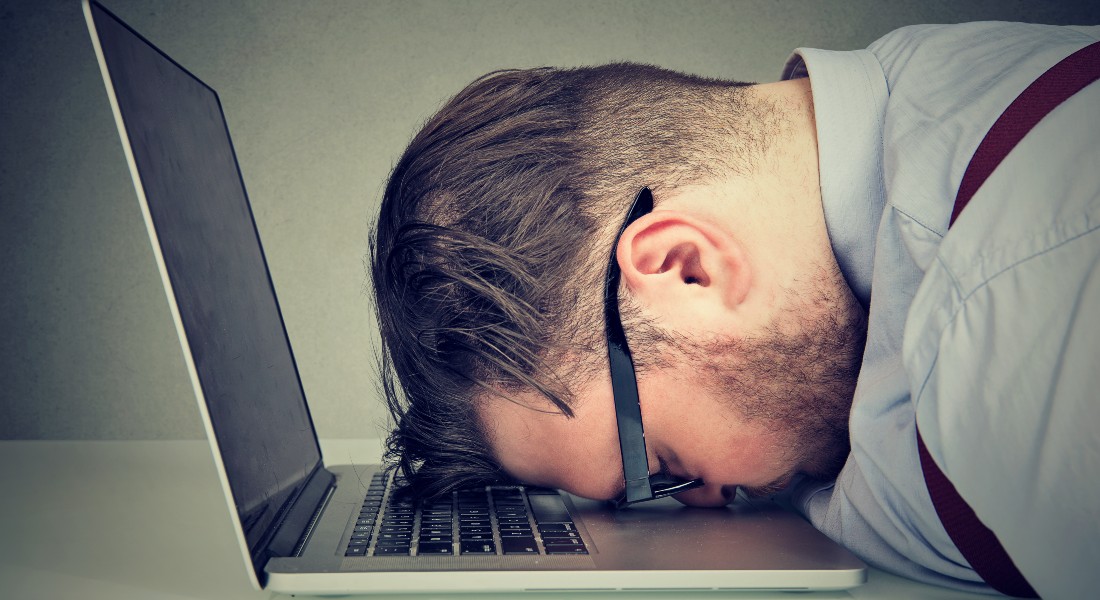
pixel 765 490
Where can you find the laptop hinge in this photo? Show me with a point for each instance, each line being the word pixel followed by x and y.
pixel 301 514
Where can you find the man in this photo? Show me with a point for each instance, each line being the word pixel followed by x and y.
pixel 794 302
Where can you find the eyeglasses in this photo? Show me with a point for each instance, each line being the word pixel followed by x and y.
pixel 640 486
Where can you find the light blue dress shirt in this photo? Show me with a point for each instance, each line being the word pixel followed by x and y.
pixel 989 335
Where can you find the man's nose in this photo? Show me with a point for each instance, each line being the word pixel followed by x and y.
pixel 709 495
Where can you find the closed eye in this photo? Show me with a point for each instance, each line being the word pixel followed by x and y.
pixel 663 470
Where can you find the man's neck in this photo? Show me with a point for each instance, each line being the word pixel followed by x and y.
pixel 789 181
pixel 775 209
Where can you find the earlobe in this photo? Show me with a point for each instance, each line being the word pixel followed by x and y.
pixel 674 261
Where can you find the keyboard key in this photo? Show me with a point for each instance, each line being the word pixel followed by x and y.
pixel 475 537
pixel 549 509
pixel 557 527
pixel 356 551
pixel 438 505
pixel 519 545
pixel 561 535
pixel 566 550
pixel 435 548
pixel 478 547
pixel 517 533
pixel 391 550
pixel 562 544
pixel 435 538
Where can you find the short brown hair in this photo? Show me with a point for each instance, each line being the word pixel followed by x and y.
pixel 489 252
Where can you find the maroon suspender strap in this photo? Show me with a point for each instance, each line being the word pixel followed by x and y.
pixel 974 540
pixel 1052 88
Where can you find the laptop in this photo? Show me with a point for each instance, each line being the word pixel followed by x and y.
pixel 306 526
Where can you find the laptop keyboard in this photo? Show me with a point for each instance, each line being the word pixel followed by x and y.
pixel 485 521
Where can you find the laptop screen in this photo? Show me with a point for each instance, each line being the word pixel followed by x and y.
pixel 216 266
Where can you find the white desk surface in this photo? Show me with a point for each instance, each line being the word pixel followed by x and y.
pixel 147 519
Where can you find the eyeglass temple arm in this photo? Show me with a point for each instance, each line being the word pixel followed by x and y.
pixel 628 415
pixel 628 412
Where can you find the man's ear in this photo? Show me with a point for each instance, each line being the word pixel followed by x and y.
pixel 677 264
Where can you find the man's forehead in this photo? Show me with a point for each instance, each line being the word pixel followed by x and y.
pixel 511 415
pixel 536 443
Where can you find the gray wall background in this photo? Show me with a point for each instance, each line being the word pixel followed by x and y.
pixel 321 98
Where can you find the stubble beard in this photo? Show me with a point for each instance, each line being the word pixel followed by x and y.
pixel 797 378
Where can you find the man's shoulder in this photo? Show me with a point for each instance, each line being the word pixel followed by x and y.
pixel 948 84
pixel 954 45
pixel 937 71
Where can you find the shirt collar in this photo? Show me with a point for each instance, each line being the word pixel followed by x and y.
pixel 849 94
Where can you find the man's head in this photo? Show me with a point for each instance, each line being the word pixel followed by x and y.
pixel 488 261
